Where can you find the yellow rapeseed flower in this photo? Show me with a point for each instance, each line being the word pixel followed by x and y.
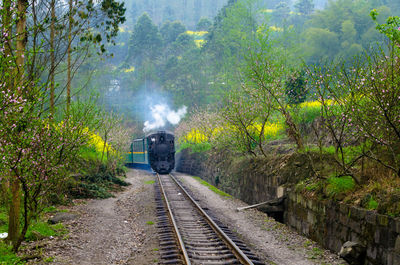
pixel 275 28
pixel 196 33
pixel 270 129
pixel 97 142
pixel 314 104
pixel 266 10
pixel 129 69
pixel 199 43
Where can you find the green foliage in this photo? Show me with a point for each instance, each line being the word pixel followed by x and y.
pixel 149 182
pixel 7 256
pixel 212 188
pixel 171 30
pixel 203 24
pixel 295 88
pixel 145 42
pixel 195 147
pixel 372 204
pixel 339 185
pixel 40 230
pixel 341 31
pixel 149 223
pixel 90 153
pixel 307 113
pixel 96 182
pixel 315 253
pixel 391 28
pixel 3 219
pixel 322 44
pixel 305 7
pixel 49 209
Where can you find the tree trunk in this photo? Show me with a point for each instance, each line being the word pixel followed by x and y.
pixel 52 56
pixel 14 213
pixel 69 58
pixel 6 28
pixel 13 228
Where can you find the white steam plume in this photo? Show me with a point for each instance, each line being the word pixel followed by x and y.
pixel 162 114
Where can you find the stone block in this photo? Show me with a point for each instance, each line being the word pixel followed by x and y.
pixel 383 220
pixel 305 228
pixel 355 226
pixel 310 204
pixel 382 256
pixel 396 259
pixel 370 217
pixel 397 245
pixel 298 198
pixel 323 209
pixel 355 237
pixel 343 219
pixel 377 236
pixel 396 225
pixel 343 208
pixel 280 191
pixel 358 213
pixel 311 218
pixel 298 225
pixel 371 252
pixel 385 239
pixel 315 206
pixel 343 234
pixel 390 258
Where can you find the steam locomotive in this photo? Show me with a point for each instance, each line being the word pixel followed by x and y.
pixel 156 150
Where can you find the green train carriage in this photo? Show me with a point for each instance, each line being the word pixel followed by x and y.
pixel 138 152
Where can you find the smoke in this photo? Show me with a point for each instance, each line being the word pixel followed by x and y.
pixel 161 114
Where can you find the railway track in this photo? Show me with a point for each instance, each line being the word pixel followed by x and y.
pixel 187 233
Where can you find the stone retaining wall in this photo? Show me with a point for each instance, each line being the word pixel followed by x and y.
pixel 253 188
pixel 327 223
pixel 331 225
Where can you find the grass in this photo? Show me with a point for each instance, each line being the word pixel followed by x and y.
pixel 212 188
pixel 43 229
pixel 315 253
pixel 372 204
pixel 339 185
pixel 3 220
pixel 149 182
pixel 149 223
pixel 7 256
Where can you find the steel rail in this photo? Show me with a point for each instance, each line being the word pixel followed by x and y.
pixel 175 227
pixel 235 249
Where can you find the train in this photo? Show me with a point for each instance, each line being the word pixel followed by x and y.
pixel 156 151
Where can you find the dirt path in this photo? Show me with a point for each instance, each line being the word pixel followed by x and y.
pixel 117 230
